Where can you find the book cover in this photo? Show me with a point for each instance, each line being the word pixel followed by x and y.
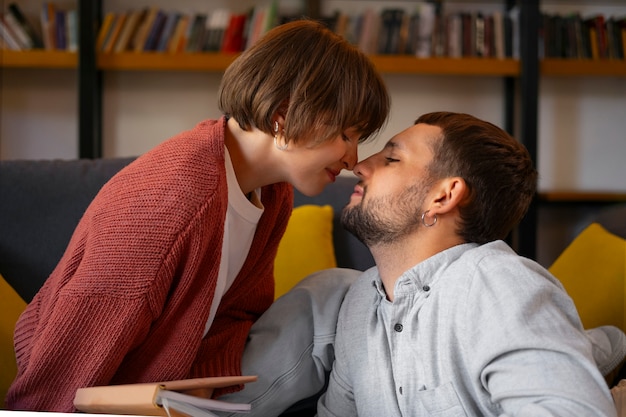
pixel 479 35
pixel 196 33
pixel 155 31
pixel 178 40
pixel 109 44
pixel 171 20
pixel 455 36
pixel 234 35
pixel 61 29
pixel 498 35
pixel 8 36
pixel 26 26
pixel 48 26
pixel 425 31
pixel 133 21
pixel 105 28
pixel 154 399
pixel 141 36
pixel 18 32
pixel 72 31
pixel 216 26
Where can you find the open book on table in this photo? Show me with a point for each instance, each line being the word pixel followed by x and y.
pixel 188 396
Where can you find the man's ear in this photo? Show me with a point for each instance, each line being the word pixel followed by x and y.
pixel 450 193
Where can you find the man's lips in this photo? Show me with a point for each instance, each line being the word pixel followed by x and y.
pixel 358 190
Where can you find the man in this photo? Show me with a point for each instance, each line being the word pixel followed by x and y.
pixel 451 322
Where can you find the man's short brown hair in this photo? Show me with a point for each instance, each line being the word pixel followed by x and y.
pixel 497 169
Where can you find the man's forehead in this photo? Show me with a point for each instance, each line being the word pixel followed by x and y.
pixel 419 134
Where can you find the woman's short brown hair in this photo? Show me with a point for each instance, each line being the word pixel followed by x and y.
pixel 497 169
pixel 316 79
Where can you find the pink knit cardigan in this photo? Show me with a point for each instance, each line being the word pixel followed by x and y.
pixel 129 300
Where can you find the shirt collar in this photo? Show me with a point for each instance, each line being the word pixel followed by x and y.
pixel 423 276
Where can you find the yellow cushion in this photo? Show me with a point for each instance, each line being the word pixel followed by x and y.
pixel 592 269
pixel 13 305
pixel 306 247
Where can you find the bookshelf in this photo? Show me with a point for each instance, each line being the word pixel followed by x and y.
pixel 551 67
pixel 520 79
pixel 389 64
pixel 38 59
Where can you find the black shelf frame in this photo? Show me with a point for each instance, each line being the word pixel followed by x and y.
pixel 89 81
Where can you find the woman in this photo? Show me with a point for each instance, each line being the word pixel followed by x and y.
pixel 173 261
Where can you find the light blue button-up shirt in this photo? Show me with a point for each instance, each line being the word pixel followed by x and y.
pixel 472 331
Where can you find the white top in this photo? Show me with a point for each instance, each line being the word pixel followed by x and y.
pixel 242 218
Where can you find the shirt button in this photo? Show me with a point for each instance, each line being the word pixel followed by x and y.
pixel 426 288
pixel 398 327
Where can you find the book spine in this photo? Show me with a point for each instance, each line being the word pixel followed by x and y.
pixel 168 30
pixel 26 26
pixel 155 32
pixel 48 30
pixel 72 31
pixel 20 35
pixel 143 31
pixel 8 36
pixel 114 34
pixel 60 20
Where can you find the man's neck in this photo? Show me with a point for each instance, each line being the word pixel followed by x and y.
pixel 394 259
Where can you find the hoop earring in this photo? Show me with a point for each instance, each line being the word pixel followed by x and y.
pixel 424 219
pixel 279 147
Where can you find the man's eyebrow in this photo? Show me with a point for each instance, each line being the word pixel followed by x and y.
pixel 391 145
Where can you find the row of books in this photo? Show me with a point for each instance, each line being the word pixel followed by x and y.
pixel 57 29
pixel 576 37
pixel 158 30
pixel 425 31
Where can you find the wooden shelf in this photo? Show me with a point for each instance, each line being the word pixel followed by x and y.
pixel 384 63
pixel 578 196
pixel 583 67
pixel 446 66
pixel 38 58
pixel 158 61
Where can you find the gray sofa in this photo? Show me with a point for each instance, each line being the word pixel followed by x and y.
pixel 42 201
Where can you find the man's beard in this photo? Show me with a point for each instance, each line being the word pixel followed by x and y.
pixel 385 220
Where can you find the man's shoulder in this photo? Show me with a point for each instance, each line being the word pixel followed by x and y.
pixel 361 294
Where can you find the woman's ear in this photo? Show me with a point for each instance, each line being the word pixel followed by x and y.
pixel 451 192
pixel 279 114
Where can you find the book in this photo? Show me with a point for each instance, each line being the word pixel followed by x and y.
pixel 72 30
pixel 26 26
pixel 18 32
pixel 115 32
pixel 216 27
pixel 60 19
pixel 133 21
pixel 171 21
pixel 141 36
pixel 188 396
pixel 234 35
pixel 155 31
pixel 196 32
pixel 178 40
pixel 48 25
pixel 425 30
pixel 7 35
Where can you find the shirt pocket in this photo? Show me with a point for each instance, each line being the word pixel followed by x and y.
pixel 442 401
